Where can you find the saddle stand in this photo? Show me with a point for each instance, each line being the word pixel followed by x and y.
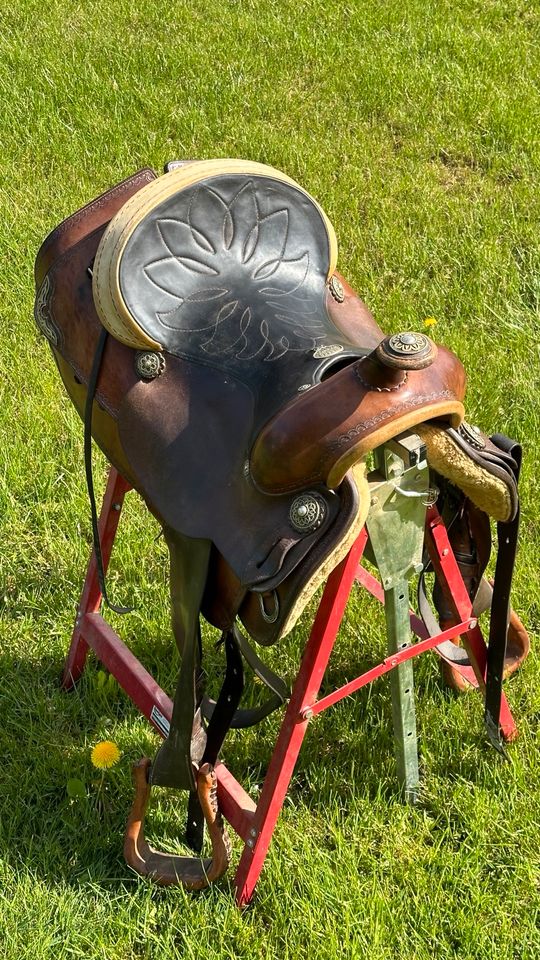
pixel 402 528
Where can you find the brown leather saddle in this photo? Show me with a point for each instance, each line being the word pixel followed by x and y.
pixel 238 382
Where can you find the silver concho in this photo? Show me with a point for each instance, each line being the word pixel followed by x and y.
pixel 472 435
pixel 329 350
pixel 408 343
pixel 307 512
pixel 42 313
pixel 149 364
pixel 336 289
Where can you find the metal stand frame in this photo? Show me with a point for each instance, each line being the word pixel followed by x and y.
pixel 255 822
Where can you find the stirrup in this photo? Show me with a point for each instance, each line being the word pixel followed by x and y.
pixel 517 648
pixel 168 868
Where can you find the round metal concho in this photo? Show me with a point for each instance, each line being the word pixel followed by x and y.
pixel 407 350
pixel 472 435
pixel 149 364
pixel 336 289
pixel 307 512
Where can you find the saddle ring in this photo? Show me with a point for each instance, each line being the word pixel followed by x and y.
pixel 269 617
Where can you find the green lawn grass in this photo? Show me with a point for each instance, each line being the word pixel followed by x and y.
pixel 415 124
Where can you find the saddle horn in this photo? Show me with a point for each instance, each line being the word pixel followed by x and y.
pixel 322 433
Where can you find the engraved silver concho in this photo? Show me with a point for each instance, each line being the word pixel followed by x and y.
pixel 307 512
pixel 408 344
pixel 42 313
pixel 329 350
pixel 149 364
pixel 471 435
pixel 336 289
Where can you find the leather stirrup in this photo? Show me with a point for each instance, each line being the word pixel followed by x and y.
pixel 167 868
pixel 517 647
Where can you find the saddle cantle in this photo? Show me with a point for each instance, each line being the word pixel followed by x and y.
pixel 240 390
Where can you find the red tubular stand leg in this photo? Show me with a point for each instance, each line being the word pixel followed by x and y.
pixel 293 729
pixel 90 600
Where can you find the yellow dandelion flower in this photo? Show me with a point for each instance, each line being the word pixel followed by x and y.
pixel 105 754
pixel 430 322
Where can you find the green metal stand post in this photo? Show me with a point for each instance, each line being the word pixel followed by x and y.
pixel 399 489
pixel 396 608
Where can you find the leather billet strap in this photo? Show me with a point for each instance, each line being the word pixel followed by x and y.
pixel 173 765
pixel 227 702
pixel 507 539
pixel 279 690
pixel 218 727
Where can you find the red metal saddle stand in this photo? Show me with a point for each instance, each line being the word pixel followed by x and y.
pixel 255 823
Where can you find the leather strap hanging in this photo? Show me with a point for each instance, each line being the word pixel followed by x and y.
pixel 91 392
pixel 507 536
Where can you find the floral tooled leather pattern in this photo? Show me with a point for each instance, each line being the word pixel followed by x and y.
pixel 232 274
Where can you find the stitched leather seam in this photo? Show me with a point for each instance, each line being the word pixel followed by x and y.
pixel 359 428
pixel 404 407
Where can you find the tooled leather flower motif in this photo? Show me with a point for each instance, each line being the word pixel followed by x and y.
pixel 231 275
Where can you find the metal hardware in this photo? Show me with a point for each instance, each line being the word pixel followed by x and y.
pixel 336 289
pixel 307 512
pixel 429 496
pixel 471 435
pixel 329 350
pixel 408 350
pixel 396 608
pixel 149 364
pixel 399 487
pixel 408 343
pixel 269 617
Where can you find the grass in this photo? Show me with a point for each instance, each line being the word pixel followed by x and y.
pixel 416 126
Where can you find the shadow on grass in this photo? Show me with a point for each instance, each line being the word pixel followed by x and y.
pixel 45 740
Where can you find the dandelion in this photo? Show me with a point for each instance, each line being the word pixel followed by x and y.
pixel 430 322
pixel 105 754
